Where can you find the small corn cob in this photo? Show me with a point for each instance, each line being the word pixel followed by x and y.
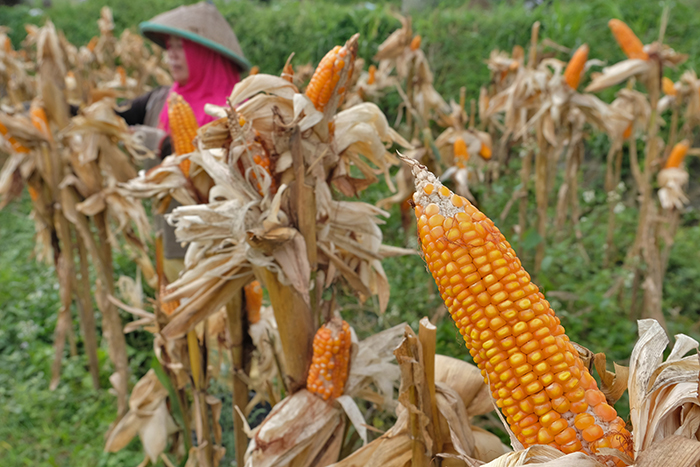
pixel 253 301
pixel 33 193
pixel 254 71
pixel 330 364
pixel 93 43
pixel 372 74
pixel 327 75
pixel 415 42
pixel 16 145
pixel 629 42
pixel 183 128
pixel 675 159
pixel 574 69
pixel 261 158
pixel 628 131
pixel 39 119
pixel 535 375
pixel 459 148
pixel 485 151
pixel 122 75
pixel 668 87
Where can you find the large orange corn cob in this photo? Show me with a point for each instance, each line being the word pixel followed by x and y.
pixel 330 364
pixel 16 145
pixel 574 69
pixel 535 375
pixel 629 42
pixel 183 128
pixel 675 159
pixel 668 87
pixel 253 301
pixel 459 148
pixel 327 75
pixel 485 151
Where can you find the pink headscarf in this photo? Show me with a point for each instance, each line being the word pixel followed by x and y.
pixel 211 79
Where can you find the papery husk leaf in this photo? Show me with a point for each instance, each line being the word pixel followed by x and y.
pixel 354 415
pixel 544 456
pixel 676 451
pixel 467 380
pixel 618 73
pixel 294 433
pixel 613 385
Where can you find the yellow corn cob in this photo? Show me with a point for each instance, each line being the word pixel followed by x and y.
pixel 574 69
pixel 330 364
pixel 629 42
pixel 327 74
pixel 415 42
pixel 254 71
pixel 372 74
pixel 535 375
pixel 668 87
pixel 459 148
pixel 166 307
pixel 628 131
pixel 253 301
pixel 183 128
pixel 675 159
pixel 93 43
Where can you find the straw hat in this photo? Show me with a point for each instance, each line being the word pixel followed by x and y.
pixel 201 23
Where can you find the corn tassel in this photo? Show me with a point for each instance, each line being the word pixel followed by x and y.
pixel 461 155
pixel 668 87
pixel 183 128
pixel 327 75
pixel 675 159
pixel 253 301
pixel 415 42
pixel 372 74
pixel 535 375
pixel 574 69
pixel 329 367
pixel 629 42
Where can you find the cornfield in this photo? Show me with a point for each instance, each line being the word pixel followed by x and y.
pixel 276 231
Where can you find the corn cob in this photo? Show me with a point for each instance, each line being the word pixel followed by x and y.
pixel 628 131
pixel 668 87
pixel 93 43
pixel 39 119
pixel 372 74
pixel 327 75
pixel 254 71
pixel 535 375
pixel 183 128
pixel 485 151
pixel 122 75
pixel 459 148
pixel 253 301
pixel 675 159
pixel 261 158
pixel 16 146
pixel 629 42
pixel 574 69
pixel 329 367
pixel 415 42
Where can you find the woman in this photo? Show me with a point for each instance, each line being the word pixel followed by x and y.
pixel 205 61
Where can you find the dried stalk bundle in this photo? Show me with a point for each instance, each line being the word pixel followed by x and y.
pixel 72 167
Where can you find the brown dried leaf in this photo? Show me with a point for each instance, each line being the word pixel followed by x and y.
pixel 613 385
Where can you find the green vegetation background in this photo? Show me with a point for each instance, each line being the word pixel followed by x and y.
pixel 65 427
